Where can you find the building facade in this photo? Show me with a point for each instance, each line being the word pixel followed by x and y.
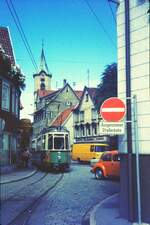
pixel 51 105
pixel 133 24
pixel 10 92
pixel 86 119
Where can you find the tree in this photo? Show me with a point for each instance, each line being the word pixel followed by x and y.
pixel 108 86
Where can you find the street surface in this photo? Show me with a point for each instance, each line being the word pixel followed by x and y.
pixel 54 198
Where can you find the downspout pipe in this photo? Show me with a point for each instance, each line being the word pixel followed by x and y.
pixel 128 105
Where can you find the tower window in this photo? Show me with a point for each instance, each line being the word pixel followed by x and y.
pixel 42 86
pixel 42 79
pixel 87 98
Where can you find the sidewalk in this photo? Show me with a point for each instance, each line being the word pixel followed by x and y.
pixel 12 174
pixel 107 212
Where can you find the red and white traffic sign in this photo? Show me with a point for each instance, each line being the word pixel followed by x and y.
pixel 113 109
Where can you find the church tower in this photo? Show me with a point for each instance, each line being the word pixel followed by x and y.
pixel 42 80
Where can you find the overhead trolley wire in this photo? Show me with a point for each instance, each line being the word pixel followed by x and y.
pixel 21 32
pixel 111 11
pixel 100 23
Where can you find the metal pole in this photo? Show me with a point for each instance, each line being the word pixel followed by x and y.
pixel 137 160
pixel 128 104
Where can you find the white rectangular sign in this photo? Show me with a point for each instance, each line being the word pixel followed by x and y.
pixel 112 128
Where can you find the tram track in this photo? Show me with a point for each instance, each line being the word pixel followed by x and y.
pixel 24 216
pixel 11 198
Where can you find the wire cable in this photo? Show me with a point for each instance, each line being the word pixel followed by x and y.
pixel 111 11
pixel 22 33
pixel 99 22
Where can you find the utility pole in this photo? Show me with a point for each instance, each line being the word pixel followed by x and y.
pixel 128 104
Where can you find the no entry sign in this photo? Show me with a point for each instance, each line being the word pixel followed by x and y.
pixel 113 110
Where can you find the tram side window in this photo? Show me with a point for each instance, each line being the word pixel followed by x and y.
pixel 66 140
pixel 50 142
pixel 44 142
pixel 58 143
pixel 39 142
pixel 33 146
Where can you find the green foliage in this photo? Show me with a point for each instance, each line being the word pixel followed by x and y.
pixel 108 86
pixel 10 71
pixel 18 78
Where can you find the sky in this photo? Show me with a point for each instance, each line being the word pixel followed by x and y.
pixel 78 35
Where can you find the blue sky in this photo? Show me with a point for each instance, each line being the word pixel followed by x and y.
pixel 73 40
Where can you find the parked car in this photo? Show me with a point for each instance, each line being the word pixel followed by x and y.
pixel 108 165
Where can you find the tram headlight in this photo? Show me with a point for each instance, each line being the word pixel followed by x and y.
pixel 59 155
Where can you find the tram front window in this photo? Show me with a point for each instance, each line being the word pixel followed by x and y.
pixel 58 143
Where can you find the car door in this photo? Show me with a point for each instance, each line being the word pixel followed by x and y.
pixel 106 161
pixel 116 165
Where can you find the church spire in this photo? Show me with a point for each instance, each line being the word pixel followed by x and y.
pixel 43 64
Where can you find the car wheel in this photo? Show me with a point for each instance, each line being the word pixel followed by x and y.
pixel 98 174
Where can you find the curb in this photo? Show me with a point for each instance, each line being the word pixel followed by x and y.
pixel 19 179
pixel 92 214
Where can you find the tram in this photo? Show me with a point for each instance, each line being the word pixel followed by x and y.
pixel 51 149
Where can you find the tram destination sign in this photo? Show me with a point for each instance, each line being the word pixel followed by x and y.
pixel 112 128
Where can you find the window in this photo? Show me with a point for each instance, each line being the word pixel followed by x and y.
pixel 58 143
pixel 94 129
pixel 68 103
pixel 88 130
pixel 94 114
pixel 76 117
pixel 81 116
pixel 39 143
pixel 13 143
pixel 92 148
pixel 116 157
pixel 100 148
pixel 5 96
pixel 50 141
pixel 5 142
pixel 13 101
pixel 17 104
pixel 44 142
pixel 42 86
pixel 106 157
pixel 82 131
pixel 66 141
pixel 86 97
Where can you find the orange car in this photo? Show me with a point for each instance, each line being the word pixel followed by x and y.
pixel 108 165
